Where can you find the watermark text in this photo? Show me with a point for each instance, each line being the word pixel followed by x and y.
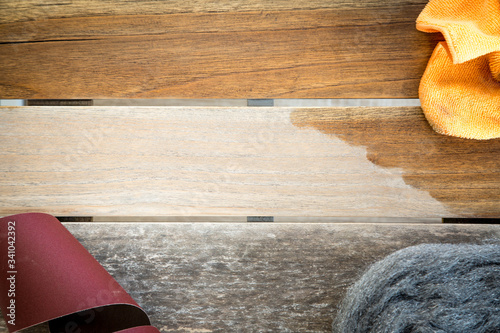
pixel 11 272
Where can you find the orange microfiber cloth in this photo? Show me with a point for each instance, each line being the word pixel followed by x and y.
pixel 460 89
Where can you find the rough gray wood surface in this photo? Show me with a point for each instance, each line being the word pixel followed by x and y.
pixel 238 277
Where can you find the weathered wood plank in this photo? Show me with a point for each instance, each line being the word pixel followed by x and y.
pixel 251 277
pixel 175 161
pixel 206 49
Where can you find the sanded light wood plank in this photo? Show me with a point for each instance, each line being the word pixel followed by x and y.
pixel 251 277
pixel 206 49
pixel 181 161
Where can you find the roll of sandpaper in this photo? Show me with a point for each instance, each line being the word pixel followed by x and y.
pixel 48 276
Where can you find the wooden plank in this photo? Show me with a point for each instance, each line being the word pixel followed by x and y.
pixel 205 49
pixel 251 277
pixel 180 161
pixel 31 10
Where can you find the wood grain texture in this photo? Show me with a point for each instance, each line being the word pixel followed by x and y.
pixel 206 49
pixel 31 10
pixel 180 161
pixel 251 277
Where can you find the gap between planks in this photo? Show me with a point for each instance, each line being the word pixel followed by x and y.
pixel 243 219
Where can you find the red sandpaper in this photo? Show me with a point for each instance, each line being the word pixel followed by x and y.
pixel 48 276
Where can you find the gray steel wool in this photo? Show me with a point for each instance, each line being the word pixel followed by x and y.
pixel 426 288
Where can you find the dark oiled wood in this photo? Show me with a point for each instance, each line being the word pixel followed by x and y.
pixel 206 49
pixel 251 277
pixel 194 161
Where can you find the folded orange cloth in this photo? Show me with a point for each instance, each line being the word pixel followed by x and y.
pixel 460 89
